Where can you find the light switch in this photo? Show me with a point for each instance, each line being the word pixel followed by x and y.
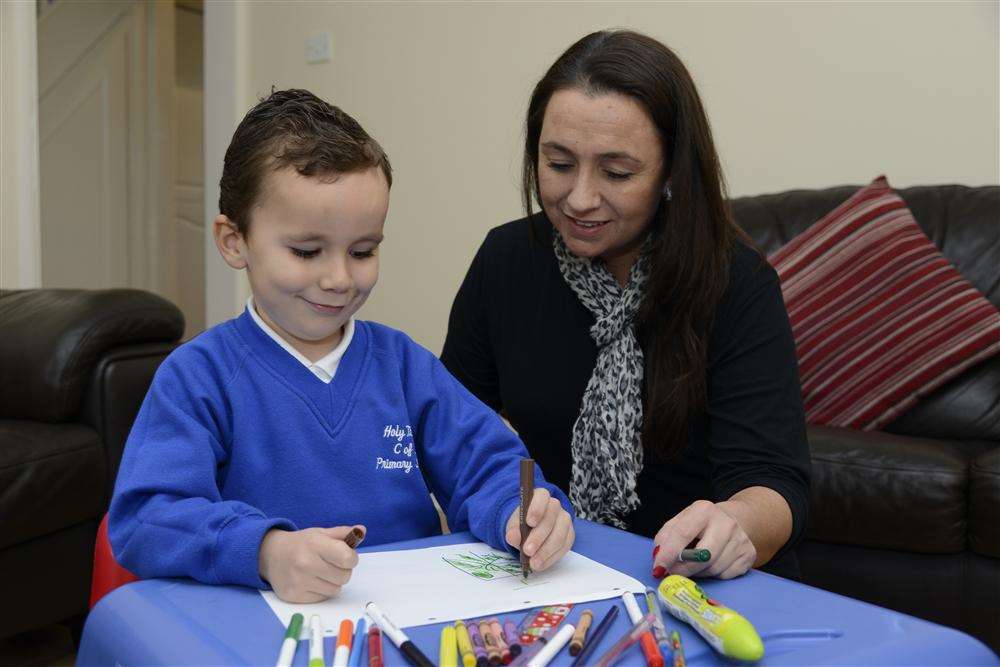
pixel 319 48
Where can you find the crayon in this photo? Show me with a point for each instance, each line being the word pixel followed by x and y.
pixel 596 636
pixel 490 642
pixel 448 652
pixel 512 639
pixel 576 643
pixel 505 655
pixel 464 644
pixel 478 647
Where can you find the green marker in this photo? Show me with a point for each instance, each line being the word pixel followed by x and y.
pixel 694 556
pixel 291 641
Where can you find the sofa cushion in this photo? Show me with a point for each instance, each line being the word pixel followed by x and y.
pixel 51 476
pixel 984 503
pixel 880 317
pixel 52 338
pixel 885 491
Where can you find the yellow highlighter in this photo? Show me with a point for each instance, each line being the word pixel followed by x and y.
pixel 725 630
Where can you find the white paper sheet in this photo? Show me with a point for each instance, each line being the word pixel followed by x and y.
pixel 439 584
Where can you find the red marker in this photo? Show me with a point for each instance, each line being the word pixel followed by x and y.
pixel 375 647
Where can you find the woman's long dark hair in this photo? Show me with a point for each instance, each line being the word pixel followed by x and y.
pixel 694 231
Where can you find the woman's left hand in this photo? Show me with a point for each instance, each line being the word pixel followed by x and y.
pixel 704 525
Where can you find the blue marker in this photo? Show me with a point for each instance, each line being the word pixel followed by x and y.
pixel 358 645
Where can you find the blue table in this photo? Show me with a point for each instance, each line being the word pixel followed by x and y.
pixel 181 622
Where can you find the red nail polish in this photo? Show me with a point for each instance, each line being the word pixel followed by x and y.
pixel 656 550
pixel 659 571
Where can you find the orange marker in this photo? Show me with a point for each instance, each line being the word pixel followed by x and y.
pixel 343 653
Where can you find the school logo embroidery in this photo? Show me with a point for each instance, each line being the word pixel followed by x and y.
pixel 401 438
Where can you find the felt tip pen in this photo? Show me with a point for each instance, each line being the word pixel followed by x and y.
pixel 315 641
pixel 464 644
pixel 649 648
pixel 532 649
pixel 397 637
pixel 527 490
pixel 596 636
pixel 631 636
pixel 552 647
pixel 291 641
pixel 343 652
pixel 677 648
pixel 448 649
pixel 375 647
pixel 354 537
pixel 694 556
pixel 358 645
pixel 659 627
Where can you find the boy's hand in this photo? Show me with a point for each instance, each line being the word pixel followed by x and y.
pixel 308 565
pixel 551 533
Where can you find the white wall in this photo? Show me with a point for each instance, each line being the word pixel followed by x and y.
pixel 799 94
pixel 20 259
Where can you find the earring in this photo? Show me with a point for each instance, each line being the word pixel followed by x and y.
pixel 667 194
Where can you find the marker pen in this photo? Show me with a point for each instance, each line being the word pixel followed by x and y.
pixel 291 641
pixel 343 652
pixel 397 636
pixel 315 641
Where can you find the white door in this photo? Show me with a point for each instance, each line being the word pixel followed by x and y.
pixel 86 193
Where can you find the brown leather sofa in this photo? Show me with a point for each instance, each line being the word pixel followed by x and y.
pixel 74 368
pixel 909 518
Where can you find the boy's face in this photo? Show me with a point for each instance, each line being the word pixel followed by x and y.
pixel 311 252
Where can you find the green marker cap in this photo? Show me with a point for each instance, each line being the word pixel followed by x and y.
pixel 702 555
pixel 295 627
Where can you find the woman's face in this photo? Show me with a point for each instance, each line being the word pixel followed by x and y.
pixel 600 174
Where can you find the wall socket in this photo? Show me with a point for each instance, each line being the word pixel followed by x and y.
pixel 319 48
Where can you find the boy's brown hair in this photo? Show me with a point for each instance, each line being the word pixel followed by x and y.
pixel 292 128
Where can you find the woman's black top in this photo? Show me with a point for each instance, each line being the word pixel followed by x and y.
pixel 518 338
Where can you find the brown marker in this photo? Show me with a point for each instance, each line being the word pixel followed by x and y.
pixel 354 537
pixel 576 643
pixel 527 491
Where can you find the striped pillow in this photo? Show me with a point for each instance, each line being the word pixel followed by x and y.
pixel 880 318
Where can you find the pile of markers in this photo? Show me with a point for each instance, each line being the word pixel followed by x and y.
pixel 534 642
pixel 539 638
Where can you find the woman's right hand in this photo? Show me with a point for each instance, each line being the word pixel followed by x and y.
pixel 307 565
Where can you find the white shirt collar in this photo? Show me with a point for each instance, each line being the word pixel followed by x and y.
pixel 324 368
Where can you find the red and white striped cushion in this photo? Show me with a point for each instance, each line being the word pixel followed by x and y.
pixel 880 318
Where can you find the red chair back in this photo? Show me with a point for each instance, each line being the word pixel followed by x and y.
pixel 108 574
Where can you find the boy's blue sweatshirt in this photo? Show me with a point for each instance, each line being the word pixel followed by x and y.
pixel 236 437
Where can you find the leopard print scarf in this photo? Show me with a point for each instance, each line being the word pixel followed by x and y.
pixel 606 447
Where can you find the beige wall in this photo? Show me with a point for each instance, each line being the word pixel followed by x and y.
pixel 20 260
pixel 799 94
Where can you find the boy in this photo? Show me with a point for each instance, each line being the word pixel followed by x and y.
pixel 266 439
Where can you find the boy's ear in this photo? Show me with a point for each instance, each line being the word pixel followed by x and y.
pixel 229 241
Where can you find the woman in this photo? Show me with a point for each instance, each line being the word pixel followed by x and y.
pixel 628 331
